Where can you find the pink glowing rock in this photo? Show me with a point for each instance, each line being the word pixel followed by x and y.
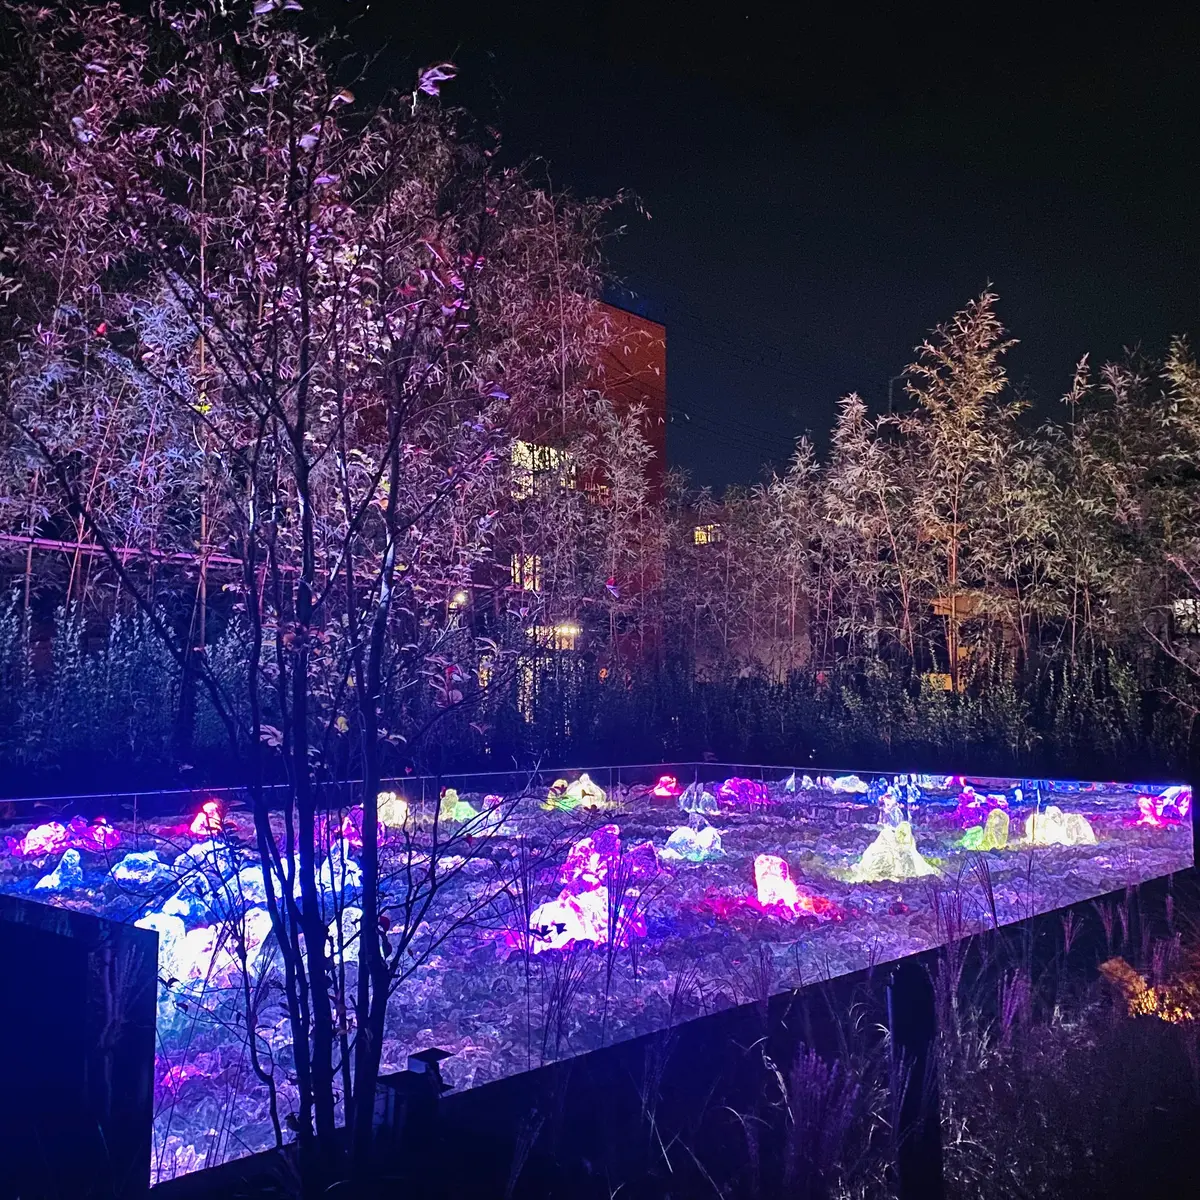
pixel 591 861
pixel 588 860
pixel 98 837
pixel 1162 809
pixel 667 788
pixel 42 840
pixel 208 821
pixel 745 793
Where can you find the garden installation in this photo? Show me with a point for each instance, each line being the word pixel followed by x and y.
pixel 538 919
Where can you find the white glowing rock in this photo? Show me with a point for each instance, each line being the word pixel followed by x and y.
pixel 774 882
pixel 255 928
pixel 1053 827
pixel 693 845
pixel 558 923
pixel 849 784
pixel 345 942
pixel 197 951
pixel 142 869
pixel 892 855
pixel 392 810
pixel 171 932
pixel 191 900
pixel 209 856
pixel 68 874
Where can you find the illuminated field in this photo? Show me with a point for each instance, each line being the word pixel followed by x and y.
pixel 567 915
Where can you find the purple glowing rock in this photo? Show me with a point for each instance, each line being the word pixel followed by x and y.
pixel 743 793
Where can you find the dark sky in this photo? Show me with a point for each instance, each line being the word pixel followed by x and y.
pixel 822 191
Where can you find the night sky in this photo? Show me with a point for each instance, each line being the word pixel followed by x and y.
pixel 824 191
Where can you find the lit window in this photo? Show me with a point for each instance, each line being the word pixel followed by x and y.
pixel 485 670
pixel 1186 614
pixel 708 535
pixel 531 464
pixel 527 572
pixel 562 636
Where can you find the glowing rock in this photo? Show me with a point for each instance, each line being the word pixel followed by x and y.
pixel 171 932
pixel 1168 807
pixel 667 787
pixel 42 840
pixel 748 792
pixel 582 792
pixel 141 869
pixel 807 784
pixel 98 837
pixel 558 923
pixel 246 888
pixel 891 811
pixel 1149 813
pixel 992 835
pixel 775 887
pixel 208 821
pixel 693 845
pixel 197 951
pixel 589 859
pixel 1053 827
pixel 190 902
pixel 345 943
pixel 68 874
pixel 454 809
pixel 849 784
pixel 892 855
pixel 1178 797
pixel 338 873
pixel 973 809
pixel 774 882
pixel 209 856
pixel 789 784
pixel 392 810
pixel 696 800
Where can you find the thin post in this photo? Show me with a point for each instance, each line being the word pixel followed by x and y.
pixel 916 1110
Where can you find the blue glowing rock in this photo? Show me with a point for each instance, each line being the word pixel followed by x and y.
pixel 141 869
pixel 68 874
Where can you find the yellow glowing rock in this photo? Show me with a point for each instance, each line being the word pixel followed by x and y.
pixel 1053 827
pixel 992 835
pixel 392 810
pixel 455 809
pixel 892 855
pixel 583 792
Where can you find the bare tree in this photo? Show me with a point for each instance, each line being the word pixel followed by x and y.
pixel 344 317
